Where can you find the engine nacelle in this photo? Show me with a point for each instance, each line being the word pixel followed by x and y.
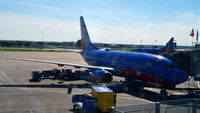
pixel 101 76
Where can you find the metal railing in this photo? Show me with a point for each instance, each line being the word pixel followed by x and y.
pixel 172 106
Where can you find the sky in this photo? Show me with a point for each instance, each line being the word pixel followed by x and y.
pixel 108 21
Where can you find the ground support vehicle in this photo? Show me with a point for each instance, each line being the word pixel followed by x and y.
pixel 61 75
pixel 84 103
pixel 36 76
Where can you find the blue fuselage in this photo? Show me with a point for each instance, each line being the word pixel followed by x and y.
pixel 147 67
pixel 150 50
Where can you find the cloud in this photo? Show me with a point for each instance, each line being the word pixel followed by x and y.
pixel 41 8
pixel 22 27
pixel 130 31
pixel 33 5
pixel 187 15
pixel 148 33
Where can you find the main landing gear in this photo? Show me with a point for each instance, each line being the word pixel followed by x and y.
pixel 163 93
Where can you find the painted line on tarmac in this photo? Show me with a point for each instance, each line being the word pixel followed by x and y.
pixel 42 90
pixel 76 91
pixel 31 111
pixel 135 99
pixel 81 91
pixel 35 102
pixel 3 81
pixel 6 79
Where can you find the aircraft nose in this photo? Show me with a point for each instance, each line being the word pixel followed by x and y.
pixel 180 76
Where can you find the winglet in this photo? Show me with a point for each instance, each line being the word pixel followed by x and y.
pixel 2 50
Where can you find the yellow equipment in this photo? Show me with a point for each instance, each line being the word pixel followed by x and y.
pixel 105 98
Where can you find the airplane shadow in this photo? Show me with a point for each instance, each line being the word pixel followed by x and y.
pixel 86 85
pixel 155 97
pixel 148 95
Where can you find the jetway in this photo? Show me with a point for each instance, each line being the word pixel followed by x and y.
pixel 188 60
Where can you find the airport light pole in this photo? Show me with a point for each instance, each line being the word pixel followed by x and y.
pixel 156 43
pixel 197 36
pixel 192 41
pixel 140 43
pixel 42 38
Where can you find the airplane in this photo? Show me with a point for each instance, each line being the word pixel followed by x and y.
pixel 170 45
pixel 144 68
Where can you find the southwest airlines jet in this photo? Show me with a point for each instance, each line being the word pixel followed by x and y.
pixel 169 46
pixel 134 66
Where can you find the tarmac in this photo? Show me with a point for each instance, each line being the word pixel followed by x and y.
pixel 23 99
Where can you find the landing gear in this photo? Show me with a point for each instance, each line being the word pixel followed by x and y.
pixel 163 93
pixel 141 92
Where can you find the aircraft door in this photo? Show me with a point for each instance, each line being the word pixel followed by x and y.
pixel 151 66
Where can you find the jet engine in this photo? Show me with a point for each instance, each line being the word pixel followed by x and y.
pixel 101 76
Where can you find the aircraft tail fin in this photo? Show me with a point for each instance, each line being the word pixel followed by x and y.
pixel 171 44
pixel 85 39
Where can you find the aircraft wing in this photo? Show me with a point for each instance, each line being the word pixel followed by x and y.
pixel 69 50
pixel 57 63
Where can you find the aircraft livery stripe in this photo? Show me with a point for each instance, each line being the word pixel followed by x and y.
pixel 146 77
pixel 165 50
